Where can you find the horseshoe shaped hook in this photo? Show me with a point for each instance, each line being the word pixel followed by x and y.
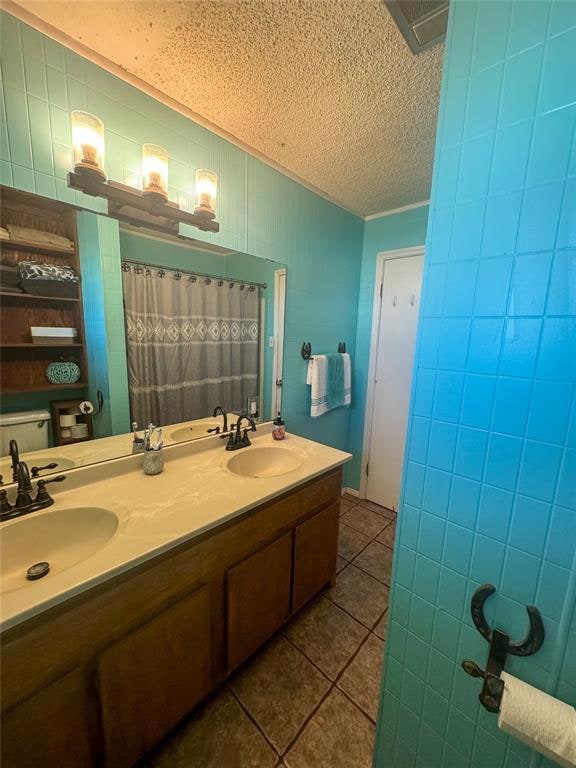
pixel 500 647
pixel 526 647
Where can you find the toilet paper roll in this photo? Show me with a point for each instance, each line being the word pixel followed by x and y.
pixel 67 420
pixel 86 407
pixel 539 720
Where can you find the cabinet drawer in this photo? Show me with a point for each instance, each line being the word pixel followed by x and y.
pixel 53 728
pixel 154 676
pixel 321 492
pixel 315 550
pixel 258 598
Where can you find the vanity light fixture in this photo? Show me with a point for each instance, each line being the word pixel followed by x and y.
pixel 148 207
pixel 154 170
pixel 206 191
pixel 88 144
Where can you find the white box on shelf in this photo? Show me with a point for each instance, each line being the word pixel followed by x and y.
pixel 50 335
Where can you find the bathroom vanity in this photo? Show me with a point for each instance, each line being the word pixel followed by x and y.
pixel 101 659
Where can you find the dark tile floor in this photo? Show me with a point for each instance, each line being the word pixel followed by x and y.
pixel 309 698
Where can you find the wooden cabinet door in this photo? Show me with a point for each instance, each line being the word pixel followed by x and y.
pixel 52 729
pixel 315 550
pixel 258 598
pixel 154 676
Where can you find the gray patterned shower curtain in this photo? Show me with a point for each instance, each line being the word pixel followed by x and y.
pixel 192 344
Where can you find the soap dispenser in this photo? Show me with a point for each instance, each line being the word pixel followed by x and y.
pixel 278 428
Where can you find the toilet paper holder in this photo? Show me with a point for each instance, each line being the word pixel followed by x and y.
pixel 500 646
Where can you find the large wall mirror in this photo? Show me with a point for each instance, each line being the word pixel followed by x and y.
pixel 201 327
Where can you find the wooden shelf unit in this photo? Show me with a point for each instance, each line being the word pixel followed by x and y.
pixel 33 247
pixel 7 295
pixel 23 362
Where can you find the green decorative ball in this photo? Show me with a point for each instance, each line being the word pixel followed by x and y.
pixel 63 372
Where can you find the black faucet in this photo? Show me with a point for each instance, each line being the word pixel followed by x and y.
pixel 35 471
pixel 23 500
pixel 236 441
pixel 24 503
pixel 217 410
pixel 15 456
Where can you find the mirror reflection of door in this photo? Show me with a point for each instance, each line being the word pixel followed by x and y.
pixel 278 340
pixel 396 331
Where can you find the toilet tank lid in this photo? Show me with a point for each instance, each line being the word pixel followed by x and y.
pixel 23 417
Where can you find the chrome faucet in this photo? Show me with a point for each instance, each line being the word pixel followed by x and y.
pixel 236 440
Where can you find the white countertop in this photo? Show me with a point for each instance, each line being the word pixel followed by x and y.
pixel 195 493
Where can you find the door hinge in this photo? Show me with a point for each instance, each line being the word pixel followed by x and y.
pixel 381 289
pixel 367 469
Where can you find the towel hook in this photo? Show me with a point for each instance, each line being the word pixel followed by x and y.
pixel 500 646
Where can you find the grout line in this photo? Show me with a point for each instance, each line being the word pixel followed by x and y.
pixel 333 684
pixel 251 718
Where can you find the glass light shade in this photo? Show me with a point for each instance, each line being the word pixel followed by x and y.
pixel 206 190
pixel 154 170
pixel 88 143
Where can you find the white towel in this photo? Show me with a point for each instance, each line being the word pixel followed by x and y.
pixel 317 378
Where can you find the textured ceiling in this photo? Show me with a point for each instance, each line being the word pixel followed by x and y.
pixel 327 89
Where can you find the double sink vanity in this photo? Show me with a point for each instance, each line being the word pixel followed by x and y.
pixel 158 588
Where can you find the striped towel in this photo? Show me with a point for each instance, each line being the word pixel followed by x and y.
pixel 318 379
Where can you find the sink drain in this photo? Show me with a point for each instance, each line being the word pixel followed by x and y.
pixel 37 571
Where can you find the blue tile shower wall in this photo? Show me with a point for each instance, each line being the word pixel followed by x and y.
pixel 387 233
pixel 261 211
pixel 489 487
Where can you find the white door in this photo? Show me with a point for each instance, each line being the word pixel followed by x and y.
pixel 278 340
pixel 393 377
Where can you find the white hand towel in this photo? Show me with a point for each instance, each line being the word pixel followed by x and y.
pixel 317 378
pixel 539 720
pixel 347 379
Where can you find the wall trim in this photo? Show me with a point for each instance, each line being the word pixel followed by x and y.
pixel 350 491
pixel 393 211
pixel 14 9
pixel 381 258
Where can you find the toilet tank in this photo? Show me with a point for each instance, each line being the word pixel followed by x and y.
pixel 28 428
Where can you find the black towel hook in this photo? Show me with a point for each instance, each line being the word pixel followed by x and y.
pixel 500 646
pixel 306 350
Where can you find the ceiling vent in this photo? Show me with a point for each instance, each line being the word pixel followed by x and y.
pixel 422 23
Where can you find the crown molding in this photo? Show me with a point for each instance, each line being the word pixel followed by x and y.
pixel 392 211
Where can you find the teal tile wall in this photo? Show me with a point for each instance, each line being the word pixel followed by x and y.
pixel 261 211
pixel 489 487
pixel 388 233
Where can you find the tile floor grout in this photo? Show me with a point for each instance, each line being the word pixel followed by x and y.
pixel 334 684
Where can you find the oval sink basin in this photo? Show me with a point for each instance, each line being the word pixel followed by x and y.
pixel 195 429
pixel 264 462
pixel 61 537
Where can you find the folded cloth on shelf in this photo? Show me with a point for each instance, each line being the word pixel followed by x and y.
pixel 39 236
pixel 4 234
pixel 330 378
pixel 48 280
pixel 33 270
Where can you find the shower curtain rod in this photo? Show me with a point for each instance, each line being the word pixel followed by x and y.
pixel 163 269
